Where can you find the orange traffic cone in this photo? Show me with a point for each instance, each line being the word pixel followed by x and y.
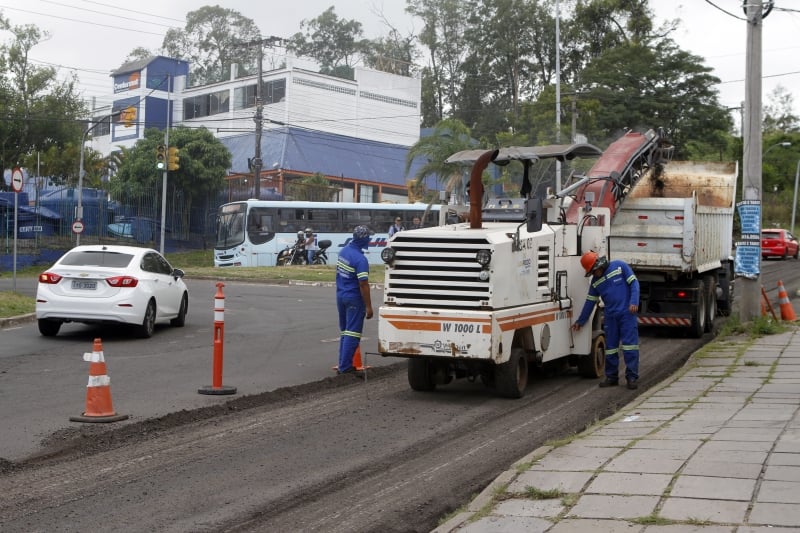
pixel 357 364
pixel 98 391
pixel 787 311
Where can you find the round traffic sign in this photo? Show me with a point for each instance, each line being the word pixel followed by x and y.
pixel 16 180
pixel 77 226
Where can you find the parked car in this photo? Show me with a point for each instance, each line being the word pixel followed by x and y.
pixel 778 243
pixel 102 284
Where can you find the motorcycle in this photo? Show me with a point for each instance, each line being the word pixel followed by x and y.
pixel 320 256
pixel 294 254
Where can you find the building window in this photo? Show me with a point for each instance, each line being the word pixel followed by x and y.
pixel 219 102
pixel 103 127
pixel 273 92
pixel 206 104
pixel 244 97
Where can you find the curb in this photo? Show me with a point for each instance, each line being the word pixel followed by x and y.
pixel 487 496
pixel 19 319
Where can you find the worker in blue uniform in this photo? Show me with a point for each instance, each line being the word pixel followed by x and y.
pixel 352 296
pixel 616 284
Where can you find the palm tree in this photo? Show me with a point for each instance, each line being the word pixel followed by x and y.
pixel 448 137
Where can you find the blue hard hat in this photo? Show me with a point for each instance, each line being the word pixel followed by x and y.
pixel 361 232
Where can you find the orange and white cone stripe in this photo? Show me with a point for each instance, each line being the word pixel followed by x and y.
pixel 98 390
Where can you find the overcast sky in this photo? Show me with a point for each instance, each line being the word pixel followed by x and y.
pixel 93 38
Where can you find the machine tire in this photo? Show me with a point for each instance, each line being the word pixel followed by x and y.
pixel 420 375
pixel 593 366
pixel 511 377
pixel 320 261
pixel 180 320
pixel 148 325
pixel 700 312
pixel 49 328
pixel 711 304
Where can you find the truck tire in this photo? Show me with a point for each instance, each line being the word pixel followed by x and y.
pixel 511 377
pixel 699 313
pixel 420 374
pixel 711 303
pixel 593 365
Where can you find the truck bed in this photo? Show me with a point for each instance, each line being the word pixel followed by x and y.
pixel 678 220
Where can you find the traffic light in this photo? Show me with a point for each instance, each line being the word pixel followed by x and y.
pixel 173 161
pixel 161 157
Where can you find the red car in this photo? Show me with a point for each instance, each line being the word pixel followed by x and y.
pixel 778 243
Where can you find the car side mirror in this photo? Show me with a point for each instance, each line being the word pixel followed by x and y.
pixel 178 273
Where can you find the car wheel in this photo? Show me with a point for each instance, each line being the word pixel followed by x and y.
pixel 180 320
pixel 796 253
pixel 49 328
pixel 149 322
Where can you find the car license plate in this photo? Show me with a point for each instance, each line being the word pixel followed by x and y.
pixel 84 285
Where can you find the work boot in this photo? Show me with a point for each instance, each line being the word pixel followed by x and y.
pixel 609 382
pixel 632 384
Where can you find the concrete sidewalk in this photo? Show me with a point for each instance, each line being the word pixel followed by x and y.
pixel 714 448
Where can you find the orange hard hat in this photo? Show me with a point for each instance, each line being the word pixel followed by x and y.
pixel 588 260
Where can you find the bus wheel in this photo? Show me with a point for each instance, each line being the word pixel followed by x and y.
pixel 511 377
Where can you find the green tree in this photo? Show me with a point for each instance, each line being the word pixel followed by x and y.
pixel 513 44
pixel 204 162
pixel 39 111
pixel 443 35
pixel 778 112
pixel 448 137
pixel 213 39
pixel 638 86
pixel 315 188
pixel 334 43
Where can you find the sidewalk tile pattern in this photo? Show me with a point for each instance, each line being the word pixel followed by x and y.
pixel 715 448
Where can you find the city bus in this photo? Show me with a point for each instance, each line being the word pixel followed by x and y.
pixel 252 232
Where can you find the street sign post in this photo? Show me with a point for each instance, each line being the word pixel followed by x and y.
pixel 17 180
pixel 77 227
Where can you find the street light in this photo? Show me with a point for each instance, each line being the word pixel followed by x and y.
pixel 784 144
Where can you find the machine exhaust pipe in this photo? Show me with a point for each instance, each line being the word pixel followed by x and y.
pixel 476 189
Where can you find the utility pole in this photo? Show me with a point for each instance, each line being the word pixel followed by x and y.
pixel 257 162
pixel 750 260
pixel 558 95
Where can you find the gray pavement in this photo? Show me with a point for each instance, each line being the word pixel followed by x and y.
pixel 714 448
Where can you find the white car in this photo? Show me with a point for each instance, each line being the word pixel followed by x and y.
pixel 98 284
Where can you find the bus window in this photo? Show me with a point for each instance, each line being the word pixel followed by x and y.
pixel 322 220
pixel 353 218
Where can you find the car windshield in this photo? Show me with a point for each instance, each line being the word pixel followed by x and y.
pixel 770 235
pixel 97 258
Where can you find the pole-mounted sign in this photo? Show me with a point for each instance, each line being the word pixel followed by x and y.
pixel 16 180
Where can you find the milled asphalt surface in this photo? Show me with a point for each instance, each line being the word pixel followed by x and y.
pixel 715 448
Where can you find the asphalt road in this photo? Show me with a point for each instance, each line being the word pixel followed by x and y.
pixel 275 336
pixel 336 455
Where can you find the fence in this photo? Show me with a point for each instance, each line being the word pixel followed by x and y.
pixel 45 223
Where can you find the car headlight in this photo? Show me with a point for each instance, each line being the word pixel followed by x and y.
pixel 387 254
pixel 483 257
